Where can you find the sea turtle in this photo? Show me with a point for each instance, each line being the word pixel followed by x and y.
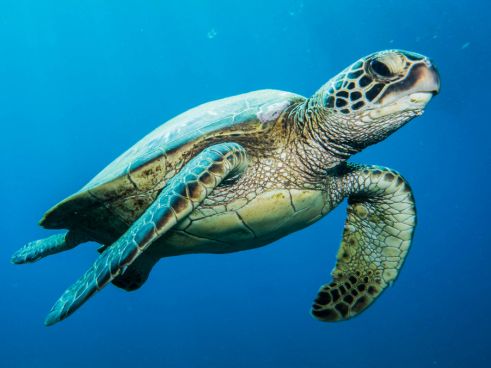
pixel 244 171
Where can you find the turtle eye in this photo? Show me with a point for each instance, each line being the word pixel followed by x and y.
pixel 380 68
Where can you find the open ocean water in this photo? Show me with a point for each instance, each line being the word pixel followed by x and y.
pixel 81 81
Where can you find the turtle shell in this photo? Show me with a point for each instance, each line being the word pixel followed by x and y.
pixel 137 176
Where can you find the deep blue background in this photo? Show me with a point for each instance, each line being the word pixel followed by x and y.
pixel 80 81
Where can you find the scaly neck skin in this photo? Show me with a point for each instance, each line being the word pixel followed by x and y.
pixel 320 143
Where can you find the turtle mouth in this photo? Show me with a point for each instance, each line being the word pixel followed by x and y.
pixel 414 102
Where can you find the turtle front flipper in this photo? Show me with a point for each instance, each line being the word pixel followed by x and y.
pixel 182 194
pixel 377 235
pixel 35 250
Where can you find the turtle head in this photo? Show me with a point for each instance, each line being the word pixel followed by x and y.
pixel 375 96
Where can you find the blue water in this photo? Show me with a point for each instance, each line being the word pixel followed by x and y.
pixel 80 81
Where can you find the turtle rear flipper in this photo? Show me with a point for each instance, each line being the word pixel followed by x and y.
pixel 136 274
pixel 35 250
pixel 377 235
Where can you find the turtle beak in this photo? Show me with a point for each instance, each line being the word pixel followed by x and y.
pixel 420 85
pixel 422 78
pixel 426 84
pixel 412 93
pixel 427 78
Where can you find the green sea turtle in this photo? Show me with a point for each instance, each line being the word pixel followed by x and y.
pixel 244 171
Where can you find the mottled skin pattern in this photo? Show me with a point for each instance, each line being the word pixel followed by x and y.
pixel 377 235
pixel 239 173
